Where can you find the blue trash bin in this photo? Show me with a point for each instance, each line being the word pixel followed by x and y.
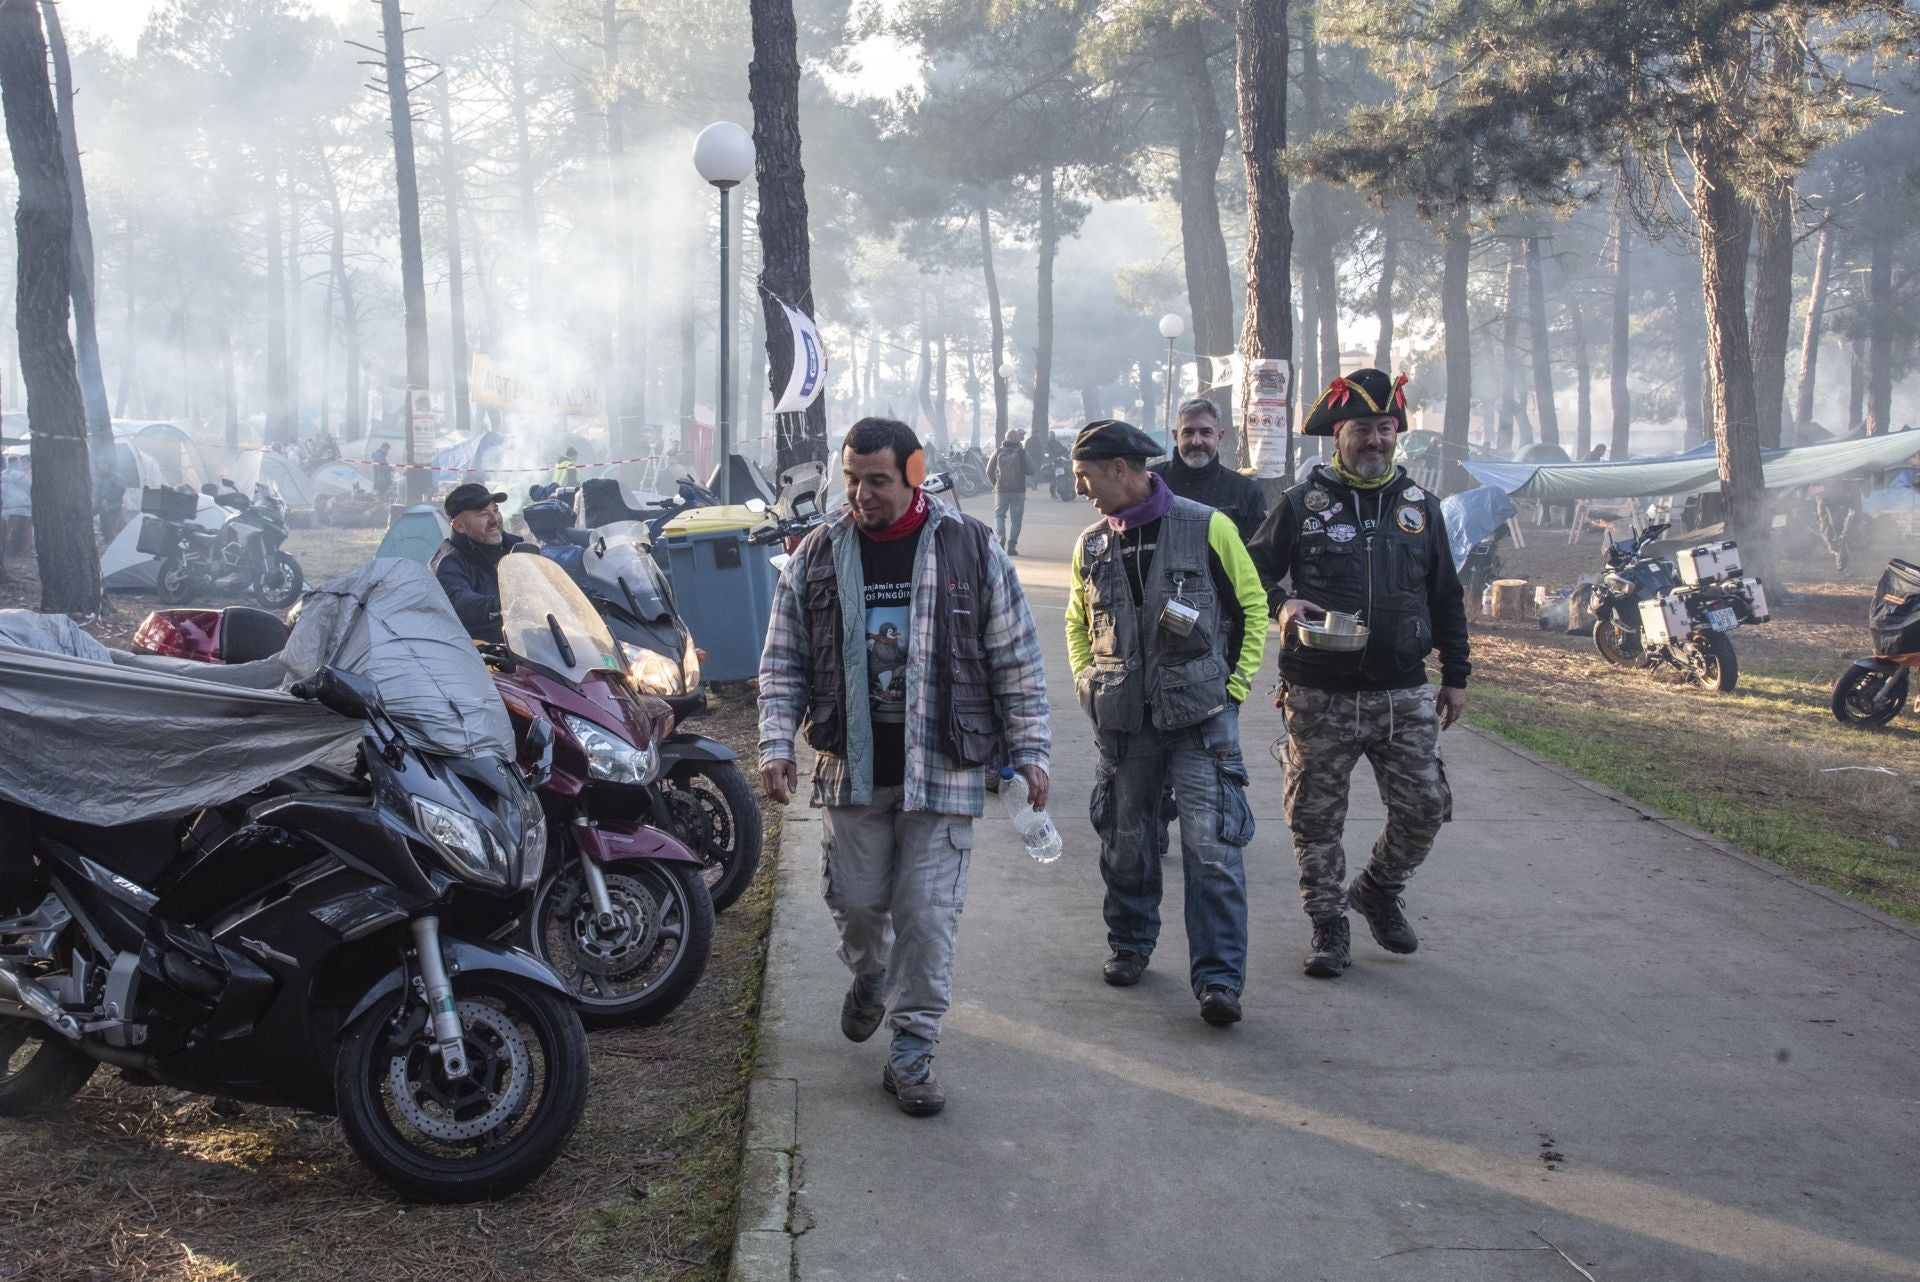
pixel 723 586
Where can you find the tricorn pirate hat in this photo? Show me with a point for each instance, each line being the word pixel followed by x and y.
pixel 1365 393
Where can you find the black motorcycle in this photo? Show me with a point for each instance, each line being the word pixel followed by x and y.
pixel 243 554
pixel 1650 613
pixel 322 943
pixel 1060 477
pixel 708 799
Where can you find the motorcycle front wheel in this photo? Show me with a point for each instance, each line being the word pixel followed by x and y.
pixel 638 967
pixel 39 1071
pixel 1711 659
pixel 1617 645
pixel 717 815
pixel 176 584
pixel 1861 696
pixel 279 586
pixel 481 1136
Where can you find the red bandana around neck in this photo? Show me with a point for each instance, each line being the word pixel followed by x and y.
pixel 909 523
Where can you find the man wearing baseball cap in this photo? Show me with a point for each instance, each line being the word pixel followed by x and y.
pixel 1358 536
pixel 468 561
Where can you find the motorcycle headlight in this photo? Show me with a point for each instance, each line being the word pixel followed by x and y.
pixel 467 847
pixel 612 758
pixel 533 842
pixel 651 672
pixel 690 664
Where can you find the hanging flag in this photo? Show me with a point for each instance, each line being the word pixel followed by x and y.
pixel 1225 370
pixel 809 372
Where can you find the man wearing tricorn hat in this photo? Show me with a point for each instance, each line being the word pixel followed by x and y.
pixel 1358 536
pixel 1166 626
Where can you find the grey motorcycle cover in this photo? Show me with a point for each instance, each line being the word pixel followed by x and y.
pixel 107 737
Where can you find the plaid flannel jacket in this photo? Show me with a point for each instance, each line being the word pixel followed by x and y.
pixel 933 781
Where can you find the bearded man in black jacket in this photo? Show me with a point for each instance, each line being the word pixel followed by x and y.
pixel 1195 471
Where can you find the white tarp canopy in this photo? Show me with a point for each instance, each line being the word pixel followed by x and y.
pixel 1689 473
pixel 109 738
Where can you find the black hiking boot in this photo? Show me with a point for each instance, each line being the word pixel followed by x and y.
pixel 865 1006
pixel 1381 906
pixel 1220 1006
pixel 1332 948
pixel 1122 970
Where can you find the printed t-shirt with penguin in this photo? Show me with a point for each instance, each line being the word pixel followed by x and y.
pixel 886 571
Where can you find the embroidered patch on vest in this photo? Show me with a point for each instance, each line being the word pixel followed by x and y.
pixel 1311 525
pixel 1096 543
pixel 1341 533
pixel 1414 494
pixel 1411 519
pixel 1317 500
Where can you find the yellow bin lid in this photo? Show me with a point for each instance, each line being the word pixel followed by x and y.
pixel 712 520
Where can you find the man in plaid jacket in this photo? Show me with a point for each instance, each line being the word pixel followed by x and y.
pixel 900 765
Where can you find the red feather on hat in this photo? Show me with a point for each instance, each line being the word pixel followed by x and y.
pixel 1400 392
pixel 1336 393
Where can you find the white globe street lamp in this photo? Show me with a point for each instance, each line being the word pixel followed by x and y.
pixel 723 154
pixel 1171 327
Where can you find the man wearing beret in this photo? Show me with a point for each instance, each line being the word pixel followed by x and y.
pixel 1360 537
pixel 468 560
pixel 1166 626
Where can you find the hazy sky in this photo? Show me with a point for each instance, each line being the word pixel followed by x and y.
pixel 121 20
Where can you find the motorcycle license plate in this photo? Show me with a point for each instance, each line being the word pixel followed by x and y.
pixel 1722 619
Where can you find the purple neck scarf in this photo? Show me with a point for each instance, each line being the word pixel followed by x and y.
pixel 1146 511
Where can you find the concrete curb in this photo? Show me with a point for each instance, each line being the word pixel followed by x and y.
pixel 1707 839
pixel 768 1220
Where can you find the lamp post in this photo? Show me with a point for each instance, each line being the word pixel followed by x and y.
pixel 1171 327
pixel 723 153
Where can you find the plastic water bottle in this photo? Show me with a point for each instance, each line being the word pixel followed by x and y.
pixel 1036 830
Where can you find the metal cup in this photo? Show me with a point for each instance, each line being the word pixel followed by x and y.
pixel 1337 624
pixel 1179 618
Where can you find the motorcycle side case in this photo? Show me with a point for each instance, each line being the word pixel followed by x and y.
pixel 1664 620
pixel 642 842
pixel 1756 593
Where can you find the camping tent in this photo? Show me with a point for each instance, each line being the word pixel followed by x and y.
pixel 1690 473
pixel 416 534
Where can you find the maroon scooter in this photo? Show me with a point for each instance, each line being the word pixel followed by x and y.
pixel 621 913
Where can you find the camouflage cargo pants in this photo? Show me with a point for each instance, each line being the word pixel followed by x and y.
pixel 1398 731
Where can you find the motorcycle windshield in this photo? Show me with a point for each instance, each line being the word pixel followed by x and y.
pixel 549 621
pixel 621 569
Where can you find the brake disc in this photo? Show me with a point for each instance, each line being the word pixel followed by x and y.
pixel 498 1083
pixel 629 944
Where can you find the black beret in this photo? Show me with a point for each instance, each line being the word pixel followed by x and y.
pixel 1110 438
pixel 1365 393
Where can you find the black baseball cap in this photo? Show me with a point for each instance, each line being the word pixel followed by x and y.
pixel 471 497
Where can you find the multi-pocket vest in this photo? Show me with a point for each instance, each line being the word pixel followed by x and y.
pixel 1141 667
pixel 963 698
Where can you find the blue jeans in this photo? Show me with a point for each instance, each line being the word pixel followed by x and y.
pixel 1009 506
pixel 1209 778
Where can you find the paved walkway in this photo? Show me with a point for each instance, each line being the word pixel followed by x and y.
pixel 1622 1046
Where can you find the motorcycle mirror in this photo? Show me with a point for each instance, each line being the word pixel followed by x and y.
pixel 938 483
pixel 540 750
pixel 526 546
pixel 345 693
pixel 756 506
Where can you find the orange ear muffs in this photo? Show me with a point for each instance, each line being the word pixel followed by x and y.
pixel 916 471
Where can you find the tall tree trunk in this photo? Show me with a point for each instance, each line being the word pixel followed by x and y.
pixel 1457 334
pixel 1617 357
pixel 1810 341
pixel 229 380
pixel 1509 359
pixel 1856 385
pixel 43 225
pixel 1880 320
pixel 130 339
pixel 1320 254
pixel 93 383
pixel 295 326
pixel 1542 357
pixel 326 354
pixel 624 430
pixel 1583 380
pixel 279 419
pixel 973 387
pixel 1149 403
pixel 353 423
pixel 1691 346
pixel 1311 377
pixel 786 256
pixel 1260 79
pixel 996 355
pixel 413 277
pixel 456 272
pixel 1726 231
pixel 1043 306
pixel 1383 298
pixel 1202 144
pixel 940 387
pixel 1772 306
pixel 923 376
pixel 524 172
pixel 689 364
